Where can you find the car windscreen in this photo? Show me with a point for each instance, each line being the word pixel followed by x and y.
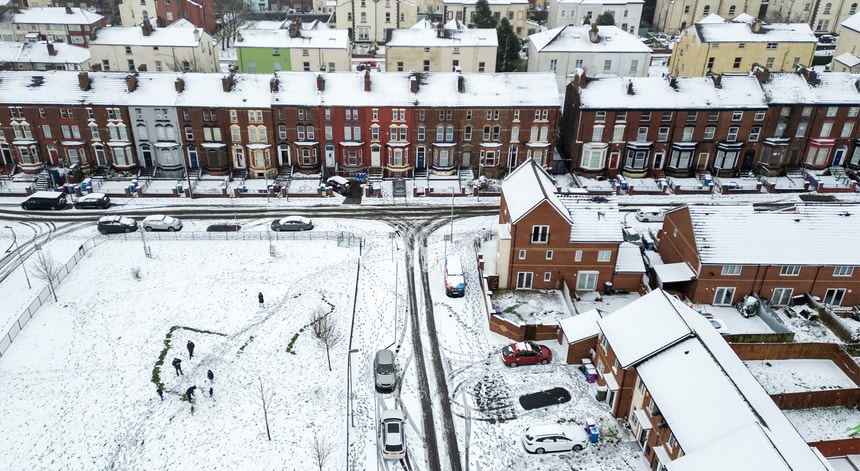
pixel 385 368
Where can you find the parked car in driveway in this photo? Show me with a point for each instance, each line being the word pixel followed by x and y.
pixel 554 437
pixel 292 223
pixel 526 353
pixel 161 222
pixel 392 438
pixel 338 184
pixel 399 187
pixel 93 201
pixel 649 215
pixel 384 374
pixel 116 224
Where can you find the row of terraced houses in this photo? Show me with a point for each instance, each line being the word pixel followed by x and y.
pixel 397 123
pixel 261 126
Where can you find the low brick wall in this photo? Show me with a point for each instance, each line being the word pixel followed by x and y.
pixel 517 332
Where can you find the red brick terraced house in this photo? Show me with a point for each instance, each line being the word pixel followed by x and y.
pixel 251 126
pixel 726 252
pixel 726 125
pixel 547 237
pixel 690 401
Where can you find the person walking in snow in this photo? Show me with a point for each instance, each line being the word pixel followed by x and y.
pixel 211 376
pixel 190 346
pixel 177 363
pixel 260 298
pixel 160 392
pixel 190 393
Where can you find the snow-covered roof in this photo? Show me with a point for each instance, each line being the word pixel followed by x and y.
pixel 847 59
pixel 852 22
pixel 713 18
pixel 266 24
pixel 424 23
pixel 738 235
pixel 718 412
pixel 526 187
pixel 455 24
pixel 475 37
pixel 38 53
pixel 178 34
pixel 732 32
pixel 580 326
pixel 629 259
pixel 296 88
pixel 307 39
pixel 595 218
pixel 56 15
pixel 737 92
pixel 744 18
pixel 576 39
pixel 643 327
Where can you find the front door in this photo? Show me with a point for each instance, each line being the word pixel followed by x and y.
pixel 419 158
pixel 284 155
pixel 146 152
pixel 101 161
pixel 838 156
pixel 192 157
pixel 375 156
pixel 329 156
pixel 467 156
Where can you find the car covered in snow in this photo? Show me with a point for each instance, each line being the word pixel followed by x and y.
pixel 554 437
pixel 338 184
pixel 93 201
pixel 392 436
pixel 526 353
pixel 116 225
pixel 292 223
pixel 161 222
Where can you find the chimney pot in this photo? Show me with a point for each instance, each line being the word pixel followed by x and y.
pixel 413 84
pixel 273 84
pixel 179 84
pixel 320 83
pixel 367 80
pixel 461 83
pixel 630 87
pixel 227 83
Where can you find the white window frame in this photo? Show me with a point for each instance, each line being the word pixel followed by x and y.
pixel 604 255
pixel 721 294
pixel 731 270
pixel 843 270
pixel 789 270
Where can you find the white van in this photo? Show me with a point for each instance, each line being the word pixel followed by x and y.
pixel 455 282
pixel 649 215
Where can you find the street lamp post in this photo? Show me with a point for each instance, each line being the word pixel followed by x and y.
pixel 18 249
pixel 349 385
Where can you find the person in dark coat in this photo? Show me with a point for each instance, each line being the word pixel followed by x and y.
pixel 210 391
pixel 177 363
pixel 210 375
pixel 260 298
pixel 190 346
pixel 160 393
pixel 190 392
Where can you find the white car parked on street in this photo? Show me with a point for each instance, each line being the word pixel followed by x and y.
pixel 161 222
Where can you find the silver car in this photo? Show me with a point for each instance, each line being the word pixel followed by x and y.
pixel 384 373
pixel 160 222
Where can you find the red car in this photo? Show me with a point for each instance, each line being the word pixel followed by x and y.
pixel 526 353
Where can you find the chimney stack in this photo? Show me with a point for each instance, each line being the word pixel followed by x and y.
pixel 239 37
pixel 461 83
pixel 413 84
pixel 367 80
pixel 756 26
pixel 179 84
pixel 718 80
pixel 273 84
pixel 52 51
pixel 84 80
pixel 673 82
pixel 227 83
pixel 131 82
pixel 592 33
pixel 69 10
pixel 761 73
pixel 147 28
pixel 294 30
pixel 197 35
pixel 630 88
pixel 320 83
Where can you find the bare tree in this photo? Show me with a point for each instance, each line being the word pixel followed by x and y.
pixel 322 450
pixel 232 14
pixel 47 269
pixel 325 331
pixel 265 400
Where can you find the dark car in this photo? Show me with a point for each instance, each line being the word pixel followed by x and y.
pixel 51 200
pixel 338 184
pixel 367 65
pixel 526 353
pixel 116 225
pixel 292 223
pixel 399 186
pixel 93 201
